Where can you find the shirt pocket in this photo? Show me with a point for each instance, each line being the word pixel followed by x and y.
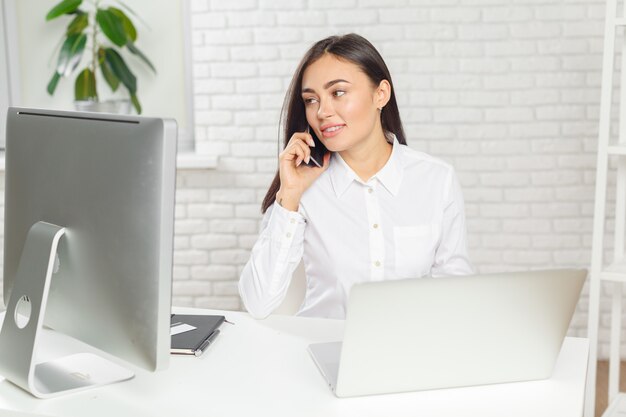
pixel 415 249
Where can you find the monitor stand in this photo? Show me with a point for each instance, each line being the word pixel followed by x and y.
pixel 23 325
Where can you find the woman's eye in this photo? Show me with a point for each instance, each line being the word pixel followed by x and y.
pixel 310 100
pixel 339 93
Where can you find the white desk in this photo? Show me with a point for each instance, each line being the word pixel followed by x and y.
pixel 262 368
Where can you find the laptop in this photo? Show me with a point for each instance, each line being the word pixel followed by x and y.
pixel 432 333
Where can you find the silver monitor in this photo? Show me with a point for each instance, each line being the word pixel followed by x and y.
pixel 102 186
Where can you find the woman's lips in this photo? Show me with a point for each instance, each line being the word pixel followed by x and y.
pixel 331 131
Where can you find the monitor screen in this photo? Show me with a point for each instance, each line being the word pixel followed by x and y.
pixel 109 180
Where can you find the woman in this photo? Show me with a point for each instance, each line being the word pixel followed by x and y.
pixel 374 210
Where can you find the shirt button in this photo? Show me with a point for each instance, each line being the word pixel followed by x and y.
pixel 293 221
pixel 377 263
pixel 375 226
pixel 288 234
pixel 369 190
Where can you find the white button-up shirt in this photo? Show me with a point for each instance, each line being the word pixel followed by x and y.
pixel 407 221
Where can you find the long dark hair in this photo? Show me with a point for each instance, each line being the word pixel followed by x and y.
pixel 350 47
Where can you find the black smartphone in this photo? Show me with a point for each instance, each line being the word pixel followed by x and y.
pixel 317 152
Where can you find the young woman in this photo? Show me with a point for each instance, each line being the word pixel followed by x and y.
pixel 375 209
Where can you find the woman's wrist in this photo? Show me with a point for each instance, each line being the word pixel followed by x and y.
pixel 288 199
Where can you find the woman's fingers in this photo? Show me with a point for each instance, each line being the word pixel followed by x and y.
pixel 294 153
pixel 302 136
pixel 303 151
pixel 296 150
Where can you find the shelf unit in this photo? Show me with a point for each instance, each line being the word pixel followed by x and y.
pixel 615 273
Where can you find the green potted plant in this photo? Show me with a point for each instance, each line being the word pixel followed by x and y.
pixel 83 34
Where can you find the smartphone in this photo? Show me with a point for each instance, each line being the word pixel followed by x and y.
pixel 317 152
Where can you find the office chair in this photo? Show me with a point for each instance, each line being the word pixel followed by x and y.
pixel 295 293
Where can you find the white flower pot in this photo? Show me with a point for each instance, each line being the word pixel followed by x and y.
pixel 121 106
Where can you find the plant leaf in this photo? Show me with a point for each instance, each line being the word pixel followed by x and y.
pixel 55 52
pixel 52 85
pixel 71 53
pixel 127 24
pixel 107 72
pixel 120 69
pixel 110 78
pixel 85 87
pixel 132 48
pixel 101 54
pixel 65 7
pixel 111 26
pixel 143 22
pixel 78 24
pixel 136 104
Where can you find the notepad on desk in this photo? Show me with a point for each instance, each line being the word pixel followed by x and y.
pixel 193 334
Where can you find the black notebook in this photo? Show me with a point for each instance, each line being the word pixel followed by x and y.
pixel 197 332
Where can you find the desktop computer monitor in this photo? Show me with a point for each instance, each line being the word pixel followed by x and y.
pixel 109 182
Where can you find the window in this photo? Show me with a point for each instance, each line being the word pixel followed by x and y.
pixel 164 94
pixel 8 63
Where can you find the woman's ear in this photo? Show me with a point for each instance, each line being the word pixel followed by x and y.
pixel 382 94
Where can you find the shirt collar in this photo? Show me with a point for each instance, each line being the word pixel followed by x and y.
pixel 390 176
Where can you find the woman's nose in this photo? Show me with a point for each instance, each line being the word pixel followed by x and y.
pixel 325 109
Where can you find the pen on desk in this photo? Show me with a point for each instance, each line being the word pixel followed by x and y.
pixel 209 340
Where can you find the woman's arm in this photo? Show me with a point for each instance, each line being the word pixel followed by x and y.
pixel 451 257
pixel 266 277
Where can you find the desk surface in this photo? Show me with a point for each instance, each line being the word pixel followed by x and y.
pixel 263 368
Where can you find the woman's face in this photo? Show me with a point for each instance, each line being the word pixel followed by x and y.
pixel 341 103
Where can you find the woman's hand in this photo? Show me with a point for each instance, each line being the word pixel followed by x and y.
pixel 296 176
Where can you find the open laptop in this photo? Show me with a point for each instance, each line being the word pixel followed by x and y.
pixel 430 333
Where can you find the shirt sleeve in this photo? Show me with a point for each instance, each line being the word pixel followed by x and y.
pixel 451 257
pixel 266 277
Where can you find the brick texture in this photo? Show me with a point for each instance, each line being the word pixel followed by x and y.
pixel 508 94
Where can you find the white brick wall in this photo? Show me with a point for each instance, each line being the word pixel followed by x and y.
pixel 507 93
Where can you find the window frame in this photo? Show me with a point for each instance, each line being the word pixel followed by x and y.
pixel 9 70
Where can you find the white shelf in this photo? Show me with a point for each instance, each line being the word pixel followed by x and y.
pixel 617 150
pixel 617 408
pixel 615 272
